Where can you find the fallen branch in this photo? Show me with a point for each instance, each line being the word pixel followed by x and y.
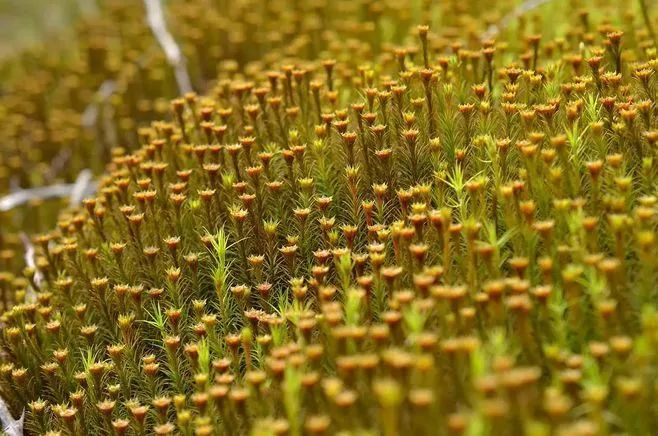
pixel 156 21
pixel 90 115
pixel 522 9
pixel 11 426
pixel 83 186
pixel 30 295
pixel 88 120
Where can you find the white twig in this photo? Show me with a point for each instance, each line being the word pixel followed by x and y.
pixel 90 115
pixel 11 426
pixel 525 7
pixel 156 21
pixel 98 106
pixel 57 164
pixel 83 186
pixel 31 295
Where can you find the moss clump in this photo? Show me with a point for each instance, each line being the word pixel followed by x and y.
pixel 452 238
pixel 66 102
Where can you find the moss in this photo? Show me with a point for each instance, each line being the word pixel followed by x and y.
pixel 422 232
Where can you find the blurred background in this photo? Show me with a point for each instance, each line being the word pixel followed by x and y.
pixel 25 22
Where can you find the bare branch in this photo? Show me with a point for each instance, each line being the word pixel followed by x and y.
pixel 518 11
pixel 11 426
pixel 156 21
pixel 90 115
pixel 29 257
pixel 83 186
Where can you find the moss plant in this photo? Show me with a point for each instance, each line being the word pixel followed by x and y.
pixel 67 102
pixel 449 235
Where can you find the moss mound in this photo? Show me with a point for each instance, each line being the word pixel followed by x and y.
pixel 452 234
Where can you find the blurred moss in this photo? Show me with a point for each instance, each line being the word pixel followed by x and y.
pixel 25 22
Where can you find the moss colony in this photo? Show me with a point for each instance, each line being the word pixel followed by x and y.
pixel 382 227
